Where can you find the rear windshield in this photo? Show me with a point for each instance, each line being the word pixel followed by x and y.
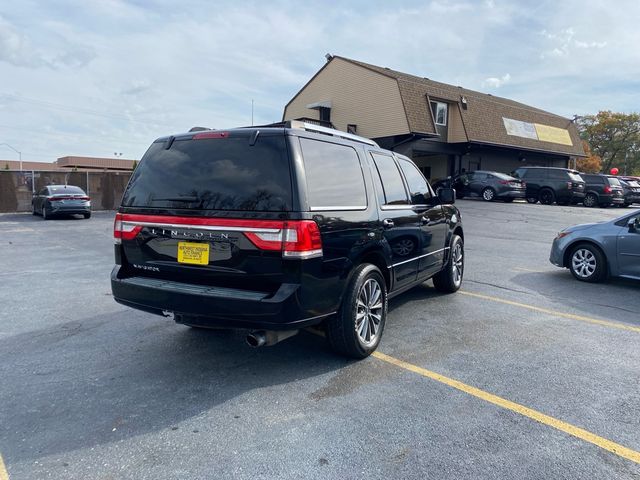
pixel 614 182
pixel 68 189
pixel 214 174
pixel 575 177
pixel 502 176
pixel 633 183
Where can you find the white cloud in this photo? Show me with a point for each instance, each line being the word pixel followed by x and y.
pixel 495 82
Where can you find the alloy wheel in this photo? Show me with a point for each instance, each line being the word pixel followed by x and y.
pixel 584 263
pixel 488 194
pixel 369 308
pixel 457 264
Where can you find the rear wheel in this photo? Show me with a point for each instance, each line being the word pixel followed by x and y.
pixel 87 215
pixel 44 213
pixel 590 200
pixel 449 279
pixel 547 197
pixel 488 194
pixel 587 263
pixel 356 329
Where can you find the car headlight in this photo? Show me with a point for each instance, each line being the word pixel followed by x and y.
pixel 562 234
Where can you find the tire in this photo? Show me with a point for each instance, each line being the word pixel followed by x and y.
pixel 587 263
pixel 365 300
pixel 547 197
pixel 488 194
pixel 449 279
pixel 590 200
pixel 532 200
pixel 33 210
pixel 44 213
pixel 87 215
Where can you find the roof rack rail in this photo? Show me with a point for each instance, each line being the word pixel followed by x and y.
pixel 309 127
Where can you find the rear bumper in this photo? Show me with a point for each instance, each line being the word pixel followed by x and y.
pixel 216 306
pixel 69 210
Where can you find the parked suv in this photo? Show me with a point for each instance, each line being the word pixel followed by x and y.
pixel 551 184
pixel 602 191
pixel 276 229
pixel 631 187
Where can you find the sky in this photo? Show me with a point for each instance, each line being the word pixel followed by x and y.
pixel 106 77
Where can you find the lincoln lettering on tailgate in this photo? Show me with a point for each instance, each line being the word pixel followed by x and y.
pixel 194 253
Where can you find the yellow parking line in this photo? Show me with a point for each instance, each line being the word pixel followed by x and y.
pixel 555 313
pixel 3 470
pixel 565 427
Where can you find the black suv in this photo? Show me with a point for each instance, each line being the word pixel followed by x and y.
pixel 602 191
pixel 276 229
pixel 551 184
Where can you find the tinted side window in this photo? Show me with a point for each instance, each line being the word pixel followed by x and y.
pixel 392 184
pixel 44 191
pixel 334 175
pixel 558 175
pixel 418 188
pixel 535 174
pixel 479 177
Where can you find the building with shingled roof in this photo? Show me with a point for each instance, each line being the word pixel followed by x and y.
pixel 443 128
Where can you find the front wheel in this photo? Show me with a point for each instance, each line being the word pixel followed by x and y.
pixel 87 215
pixel 587 263
pixel 356 329
pixel 590 200
pixel 449 279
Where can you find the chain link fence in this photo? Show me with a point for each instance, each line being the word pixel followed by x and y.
pixel 17 188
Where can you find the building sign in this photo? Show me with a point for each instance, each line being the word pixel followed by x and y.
pixel 520 129
pixel 537 131
pixel 553 134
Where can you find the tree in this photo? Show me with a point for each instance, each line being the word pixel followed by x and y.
pixel 592 163
pixel 614 137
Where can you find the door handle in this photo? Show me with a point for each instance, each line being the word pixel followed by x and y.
pixel 387 223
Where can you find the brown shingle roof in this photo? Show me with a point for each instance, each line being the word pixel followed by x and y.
pixel 483 117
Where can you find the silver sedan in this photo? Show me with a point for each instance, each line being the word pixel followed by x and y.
pixel 595 251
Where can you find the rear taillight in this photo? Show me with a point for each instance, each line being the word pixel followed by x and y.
pixel 294 238
pixel 86 199
pixel 607 189
pixel 297 239
pixel 123 230
pixel 56 199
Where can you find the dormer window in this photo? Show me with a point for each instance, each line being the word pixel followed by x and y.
pixel 439 110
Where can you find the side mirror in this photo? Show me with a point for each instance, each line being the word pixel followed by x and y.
pixel 634 224
pixel 447 195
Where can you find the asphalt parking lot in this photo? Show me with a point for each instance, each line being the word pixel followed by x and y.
pixel 524 373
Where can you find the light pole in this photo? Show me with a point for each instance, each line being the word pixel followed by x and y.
pixel 17 151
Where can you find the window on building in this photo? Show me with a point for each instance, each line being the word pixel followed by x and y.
pixel 439 110
pixel 325 114
pixel 334 175
pixel 352 128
